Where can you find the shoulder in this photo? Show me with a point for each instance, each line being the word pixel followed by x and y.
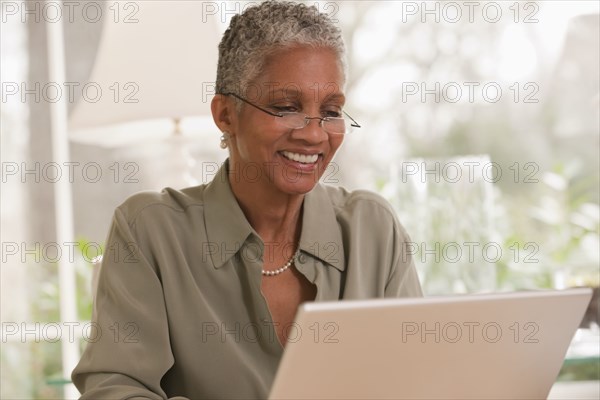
pixel 168 201
pixel 365 201
pixel 363 209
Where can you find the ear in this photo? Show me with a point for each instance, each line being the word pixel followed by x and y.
pixel 223 112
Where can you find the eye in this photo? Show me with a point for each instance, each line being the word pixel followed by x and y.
pixel 285 108
pixel 332 113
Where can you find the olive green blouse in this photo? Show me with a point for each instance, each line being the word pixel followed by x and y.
pixel 179 312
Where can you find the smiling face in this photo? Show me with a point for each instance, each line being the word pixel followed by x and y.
pixel 278 159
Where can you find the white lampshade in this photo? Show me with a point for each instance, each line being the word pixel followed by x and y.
pixel 162 66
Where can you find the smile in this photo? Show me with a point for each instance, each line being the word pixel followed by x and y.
pixel 301 158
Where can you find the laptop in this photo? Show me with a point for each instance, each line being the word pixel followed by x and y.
pixel 487 346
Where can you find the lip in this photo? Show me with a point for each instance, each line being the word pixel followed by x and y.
pixel 303 152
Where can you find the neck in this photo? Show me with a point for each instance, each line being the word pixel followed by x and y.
pixel 274 215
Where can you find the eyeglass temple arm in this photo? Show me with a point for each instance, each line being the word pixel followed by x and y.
pixel 355 124
pixel 252 104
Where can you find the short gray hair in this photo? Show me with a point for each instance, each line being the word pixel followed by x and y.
pixel 265 28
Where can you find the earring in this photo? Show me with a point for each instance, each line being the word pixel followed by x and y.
pixel 224 140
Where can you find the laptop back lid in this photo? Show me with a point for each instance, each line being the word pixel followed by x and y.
pixel 503 345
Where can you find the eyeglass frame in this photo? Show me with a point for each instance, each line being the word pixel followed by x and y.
pixel 307 118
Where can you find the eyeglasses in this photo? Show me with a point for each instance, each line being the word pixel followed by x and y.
pixel 296 120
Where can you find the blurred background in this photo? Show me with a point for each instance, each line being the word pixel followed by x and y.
pixel 480 124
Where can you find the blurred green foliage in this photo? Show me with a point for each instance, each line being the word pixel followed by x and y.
pixel 35 365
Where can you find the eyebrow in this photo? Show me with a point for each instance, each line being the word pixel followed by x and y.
pixel 335 96
pixel 293 93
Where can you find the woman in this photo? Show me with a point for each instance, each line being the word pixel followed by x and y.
pixel 199 287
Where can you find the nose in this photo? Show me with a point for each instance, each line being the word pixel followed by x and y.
pixel 312 132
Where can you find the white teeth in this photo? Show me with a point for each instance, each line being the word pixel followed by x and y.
pixel 301 158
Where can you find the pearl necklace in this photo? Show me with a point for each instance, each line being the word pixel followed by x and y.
pixel 282 269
